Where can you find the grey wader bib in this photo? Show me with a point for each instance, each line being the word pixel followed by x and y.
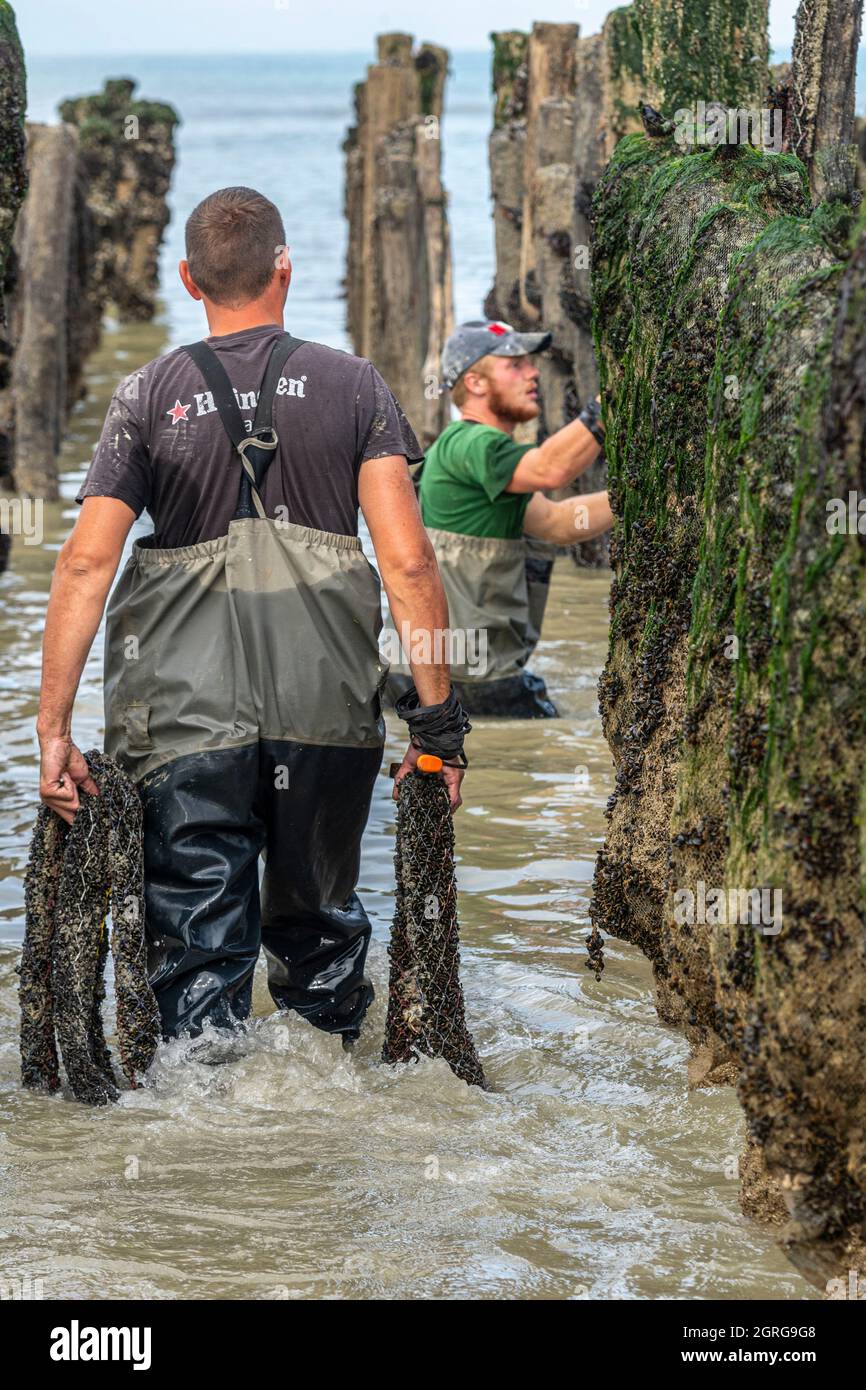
pixel 495 615
pixel 242 692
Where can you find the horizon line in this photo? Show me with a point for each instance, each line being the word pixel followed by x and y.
pixel 228 52
pixel 277 53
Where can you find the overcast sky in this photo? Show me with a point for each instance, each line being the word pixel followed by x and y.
pixel 261 26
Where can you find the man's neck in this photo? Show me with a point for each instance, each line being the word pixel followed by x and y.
pixel 483 415
pixel 222 321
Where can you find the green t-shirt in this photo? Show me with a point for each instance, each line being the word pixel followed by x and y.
pixel 466 471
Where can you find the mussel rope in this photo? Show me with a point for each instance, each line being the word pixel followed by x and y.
pixel 75 875
pixel 426 1011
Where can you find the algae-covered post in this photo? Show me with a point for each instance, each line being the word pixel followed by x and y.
pixel 823 94
pixel 13 182
pixel 734 697
pixel 13 101
pixel 88 237
pixel 398 267
pixel 561 103
pixel 125 166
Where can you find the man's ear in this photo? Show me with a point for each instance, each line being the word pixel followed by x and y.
pixel 188 283
pixel 283 278
pixel 478 384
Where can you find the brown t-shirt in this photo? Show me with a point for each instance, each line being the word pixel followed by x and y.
pixel 164 448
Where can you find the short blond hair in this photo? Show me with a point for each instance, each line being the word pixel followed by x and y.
pixel 458 390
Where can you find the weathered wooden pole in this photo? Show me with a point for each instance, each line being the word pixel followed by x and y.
pixel 40 365
pixel 562 102
pixel 703 50
pixel 398 267
pixel 88 237
pixel 13 182
pixel 13 102
pixel 731 333
pixel 506 155
pixel 125 164
pixel 824 63
pixel 550 59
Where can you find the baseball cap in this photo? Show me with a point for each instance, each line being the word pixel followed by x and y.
pixel 483 337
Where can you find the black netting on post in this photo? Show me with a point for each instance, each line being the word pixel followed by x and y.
pixel 425 998
pixel 75 875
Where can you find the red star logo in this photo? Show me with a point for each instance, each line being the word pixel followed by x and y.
pixel 497 328
pixel 178 412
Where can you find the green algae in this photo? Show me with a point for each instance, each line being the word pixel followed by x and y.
pixel 735 694
pixel 694 51
pixel 509 74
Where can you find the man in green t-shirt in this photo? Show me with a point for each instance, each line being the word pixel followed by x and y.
pixel 477 482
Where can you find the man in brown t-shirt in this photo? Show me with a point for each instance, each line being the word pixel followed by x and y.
pixel 164 449
pixel 242 675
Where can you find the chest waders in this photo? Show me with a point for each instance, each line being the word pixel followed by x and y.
pixel 540 556
pixel 242 693
pixel 494 622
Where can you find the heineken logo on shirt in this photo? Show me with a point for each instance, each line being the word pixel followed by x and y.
pixel 247 400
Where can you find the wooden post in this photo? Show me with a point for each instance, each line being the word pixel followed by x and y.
pixel 562 102
pixel 13 181
pixel 39 370
pixel 506 155
pixel 88 237
pixel 730 324
pixel 551 64
pixel 398 267
pixel 823 63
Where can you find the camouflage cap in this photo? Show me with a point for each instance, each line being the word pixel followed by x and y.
pixel 483 337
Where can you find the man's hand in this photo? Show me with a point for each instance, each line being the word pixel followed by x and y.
pixel 451 776
pixel 62 772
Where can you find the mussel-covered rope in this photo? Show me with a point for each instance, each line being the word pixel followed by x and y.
pixel 426 1011
pixel 595 952
pixel 75 875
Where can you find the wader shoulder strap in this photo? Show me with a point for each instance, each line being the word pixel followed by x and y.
pixel 280 354
pixel 257 446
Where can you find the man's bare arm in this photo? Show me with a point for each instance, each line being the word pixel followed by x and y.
pixel 84 572
pixel 558 461
pixel 411 578
pixel 569 522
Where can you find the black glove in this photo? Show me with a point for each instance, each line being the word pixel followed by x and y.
pixel 591 417
pixel 438 729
